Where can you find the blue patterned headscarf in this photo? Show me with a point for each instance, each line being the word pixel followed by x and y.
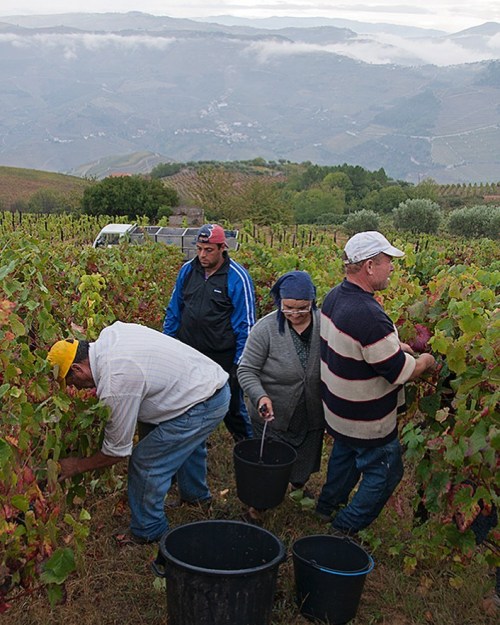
pixel 293 285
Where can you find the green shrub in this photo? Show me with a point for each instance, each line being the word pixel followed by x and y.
pixel 128 196
pixel 360 221
pixel 47 201
pixel 162 170
pixel 163 211
pixel 476 221
pixel 419 215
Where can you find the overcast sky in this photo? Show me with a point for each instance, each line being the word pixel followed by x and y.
pixel 447 15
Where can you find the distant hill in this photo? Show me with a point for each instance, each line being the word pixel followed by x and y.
pixel 136 20
pixel 21 184
pixel 275 23
pixel 95 94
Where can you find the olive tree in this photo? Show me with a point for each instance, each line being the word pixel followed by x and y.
pixel 360 221
pixel 476 221
pixel 418 215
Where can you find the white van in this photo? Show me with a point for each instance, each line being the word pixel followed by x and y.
pixel 112 234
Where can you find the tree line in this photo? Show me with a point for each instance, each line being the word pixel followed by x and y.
pixel 267 193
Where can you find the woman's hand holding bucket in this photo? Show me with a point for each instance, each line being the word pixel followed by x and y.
pixel 265 408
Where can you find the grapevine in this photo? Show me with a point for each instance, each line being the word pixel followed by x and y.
pixel 442 297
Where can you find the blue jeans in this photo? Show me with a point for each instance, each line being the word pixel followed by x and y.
pixel 380 469
pixel 176 446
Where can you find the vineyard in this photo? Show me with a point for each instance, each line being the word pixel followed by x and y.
pixel 464 190
pixel 443 297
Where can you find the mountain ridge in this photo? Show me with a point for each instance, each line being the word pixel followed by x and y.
pixel 188 91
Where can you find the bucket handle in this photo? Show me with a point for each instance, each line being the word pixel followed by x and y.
pixel 158 566
pixel 368 569
pixel 262 440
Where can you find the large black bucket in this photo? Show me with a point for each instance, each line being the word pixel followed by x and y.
pixel 330 574
pixel 220 573
pixel 262 483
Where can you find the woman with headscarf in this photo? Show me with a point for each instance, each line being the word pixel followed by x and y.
pixel 280 373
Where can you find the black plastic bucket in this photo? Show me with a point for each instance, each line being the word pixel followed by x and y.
pixel 220 573
pixel 330 574
pixel 262 483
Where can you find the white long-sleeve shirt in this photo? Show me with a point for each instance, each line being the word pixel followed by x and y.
pixel 144 375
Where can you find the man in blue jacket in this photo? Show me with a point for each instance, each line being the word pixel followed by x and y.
pixel 212 308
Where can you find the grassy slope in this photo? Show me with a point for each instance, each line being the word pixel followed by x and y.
pixel 115 585
pixel 20 184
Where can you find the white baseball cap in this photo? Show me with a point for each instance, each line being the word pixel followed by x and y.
pixel 364 245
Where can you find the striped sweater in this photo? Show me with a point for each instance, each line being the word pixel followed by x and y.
pixel 363 368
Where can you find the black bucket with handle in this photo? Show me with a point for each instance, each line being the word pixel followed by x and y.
pixel 330 574
pixel 262 481
pixel 219 573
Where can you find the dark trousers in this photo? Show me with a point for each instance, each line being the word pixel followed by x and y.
pixel 237 420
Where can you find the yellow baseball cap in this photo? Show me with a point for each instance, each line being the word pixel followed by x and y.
pixel 61 357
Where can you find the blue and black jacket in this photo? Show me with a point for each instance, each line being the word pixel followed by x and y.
pixel 213 315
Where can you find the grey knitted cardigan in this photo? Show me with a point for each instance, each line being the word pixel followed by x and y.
pixel 270 366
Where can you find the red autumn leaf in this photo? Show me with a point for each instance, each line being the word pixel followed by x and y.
pixel 419 343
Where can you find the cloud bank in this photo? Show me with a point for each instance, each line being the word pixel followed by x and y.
pixel 88 41
pixel 386 49
pixel 379 49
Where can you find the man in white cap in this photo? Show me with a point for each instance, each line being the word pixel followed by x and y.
pixel 363 369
